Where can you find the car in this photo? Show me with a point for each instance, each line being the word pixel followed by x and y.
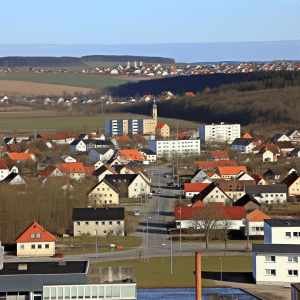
pixel 159 192
pixel 150 195
pixel 58 255
pixel 170 183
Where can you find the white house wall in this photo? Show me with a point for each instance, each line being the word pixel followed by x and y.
pixel 277 235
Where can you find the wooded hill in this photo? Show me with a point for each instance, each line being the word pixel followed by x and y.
pixel 272 98
pixel 40 61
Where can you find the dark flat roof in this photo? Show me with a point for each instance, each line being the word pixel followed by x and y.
pixel 275 248
pixel 98 214
pixel 259 189
pixel 283 222
pixel 42 268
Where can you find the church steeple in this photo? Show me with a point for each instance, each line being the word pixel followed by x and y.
pixel 154 110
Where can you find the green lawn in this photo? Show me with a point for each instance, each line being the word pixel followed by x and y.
pixel 77 80
pixel 157 273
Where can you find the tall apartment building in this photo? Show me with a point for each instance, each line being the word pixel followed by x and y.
pixel 219 132
pixel 122 127
pixel 179 147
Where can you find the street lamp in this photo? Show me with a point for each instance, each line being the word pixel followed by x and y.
pixel 144 243
pixel 171 249
pixel 148 241
pixel 221 267
pixel 157 203
pixel 180 228
pixel 163 253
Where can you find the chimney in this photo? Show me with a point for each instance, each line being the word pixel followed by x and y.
pixel 198 275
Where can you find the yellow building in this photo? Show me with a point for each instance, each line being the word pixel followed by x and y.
pixel 162 130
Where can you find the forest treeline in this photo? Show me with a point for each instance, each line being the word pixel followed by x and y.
pixel 41 61
pixel 48 205
pixel 272 98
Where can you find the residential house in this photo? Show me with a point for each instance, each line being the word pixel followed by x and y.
pixel 49 171
pixel 274 174
pixel 192 189
pixel 4 170
pixel 99 144
pixel 234 189
pixel 295 152
pixel 162 130
pixel 201 177
pixel 98 221
pixel 219 132
pixel 102 154
pixel 254 225
pixel 211 193
pixel 268 194
pixel 271 147
pixel 249 202
pixel 78 146
pixel 35 241
pixel 259 179
pixel 53 160
pixel 211 166
pixel 33 152
pixel 294 136
pixel 185 216
pixel 278 137
pixel 17 157
pixel 74 170
pixel 14 179
pixel 292 182
pixel 217 155
pixel 130 185
pixel 243 176
pixel 285 147
pixel 266 155
pixel 242 145
pixel 104 170
pixel 229 173
pixel 149 154
pixel 104 192
pixel 68 159
pixel 130 154
pixel 124 169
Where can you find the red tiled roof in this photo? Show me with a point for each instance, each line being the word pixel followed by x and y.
pixel 35 228
pixel 190 94
pixel 71 167
pixel 47 171
pixel 231 212
pixel 258 178
pixel 257 216
pixel 123 138
pixel 211 165
pixel 219 154
pixel 231 170
pixel 132 154
pixel 160 125
pixel 89 170
pixel 195 187
pixel 18 156
pixel 32 150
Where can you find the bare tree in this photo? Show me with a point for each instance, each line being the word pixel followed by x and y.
pixel 225 226
pixel 207 219
pixel 119 231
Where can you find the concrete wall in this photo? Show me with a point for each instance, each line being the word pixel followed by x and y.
pixel 98 275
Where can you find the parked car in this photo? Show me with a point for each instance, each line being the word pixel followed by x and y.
pixel 170 183
pixel 58 255
pixel 150 195
pixel 159 192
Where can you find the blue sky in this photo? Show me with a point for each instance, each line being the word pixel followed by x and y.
pixel 68 22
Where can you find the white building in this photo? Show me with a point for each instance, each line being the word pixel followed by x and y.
pixel 277 261
pixel 179 147
pixel 219 132
pixel 268 194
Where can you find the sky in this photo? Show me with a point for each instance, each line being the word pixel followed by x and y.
pixel 133 22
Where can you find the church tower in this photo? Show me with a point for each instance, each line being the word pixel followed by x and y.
pixel 154 111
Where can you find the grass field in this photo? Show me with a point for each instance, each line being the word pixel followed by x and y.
pixel 31 120
pixel 157 272
pixel 75 80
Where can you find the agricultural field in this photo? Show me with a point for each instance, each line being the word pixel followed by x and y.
pixel 51 120
pixel 75 80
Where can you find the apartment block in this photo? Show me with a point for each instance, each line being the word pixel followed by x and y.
pixel 175 147
pixel 219 132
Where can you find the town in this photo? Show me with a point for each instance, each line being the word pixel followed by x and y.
pixel 215 184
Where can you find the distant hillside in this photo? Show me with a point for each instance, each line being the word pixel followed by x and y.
pixel 40 61
pixel 178 84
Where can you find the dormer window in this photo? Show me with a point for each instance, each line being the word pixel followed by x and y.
pixel 38 235
pixel 32 235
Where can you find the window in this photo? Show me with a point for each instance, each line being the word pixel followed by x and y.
pixel 78 223
pixel 32 246
pixel 104 231
pixel 86 223
pixel 21 247
pixel 38 235
pixel 118 222
pixel 96 223
pixel 39 246
pixel 270 272
pixel 292 272
pixel 102 222
pixel 47 246
pixel 293 259
pixel 32 235
pixel 288 235
pixel 110 201
pixel 270 258
pixel 110 222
